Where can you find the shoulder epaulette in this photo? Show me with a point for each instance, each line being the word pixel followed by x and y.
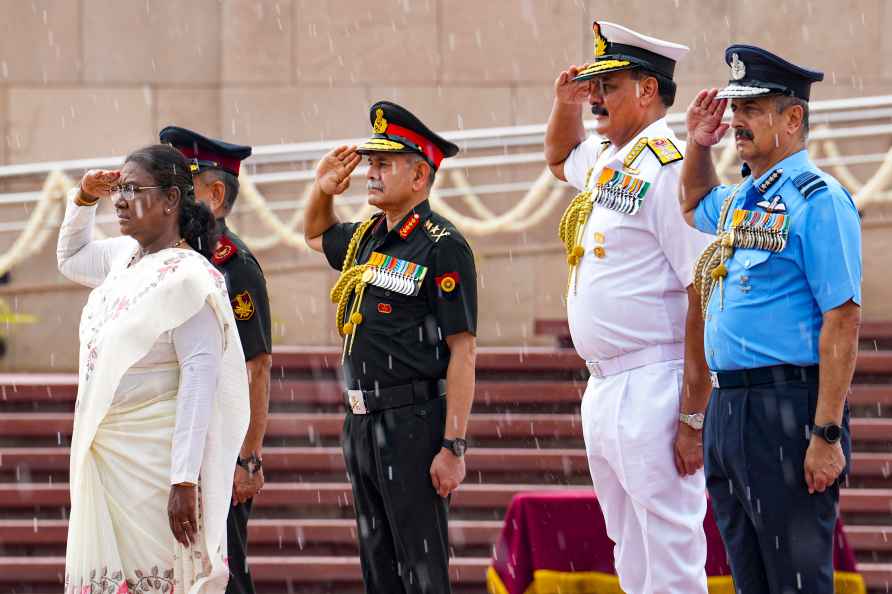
pixel 808 183
pixel 632 155
pixel 435 231
pixel 665 150
pixel 224 251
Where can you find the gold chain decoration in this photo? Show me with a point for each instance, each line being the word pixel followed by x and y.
pixel 572 226
pixel 351 280
pixel 710 268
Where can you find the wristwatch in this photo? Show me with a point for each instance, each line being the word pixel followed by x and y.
pixel 693 420
pixel 457 446
pixel 252 464
pixel 831 432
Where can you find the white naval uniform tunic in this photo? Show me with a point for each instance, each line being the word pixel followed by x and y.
pixel 626 307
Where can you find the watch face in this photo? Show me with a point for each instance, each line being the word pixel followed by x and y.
pixel 459 446
pixel 832 433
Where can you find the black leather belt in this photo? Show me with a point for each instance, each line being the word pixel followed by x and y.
pixel 363 402
pixel 763 376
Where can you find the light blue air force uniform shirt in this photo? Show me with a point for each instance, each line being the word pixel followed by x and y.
pixel 774 301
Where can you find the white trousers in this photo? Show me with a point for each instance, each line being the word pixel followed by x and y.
pixel 654 516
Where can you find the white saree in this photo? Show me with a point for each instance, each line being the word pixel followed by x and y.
pixel 119 539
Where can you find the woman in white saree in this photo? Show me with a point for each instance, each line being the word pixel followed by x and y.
pixel 162 403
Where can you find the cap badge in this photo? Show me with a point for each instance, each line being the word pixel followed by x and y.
pixel 738 68
pixel 600 42
pixel 380 125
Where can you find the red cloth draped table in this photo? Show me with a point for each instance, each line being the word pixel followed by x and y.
pixel 556 543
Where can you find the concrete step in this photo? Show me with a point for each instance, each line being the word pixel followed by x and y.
pixel 289 532
pixel 333 570
pixel 338 494
pixel 62 388
pixel 299 532
pixel 328 425
pixel 481 459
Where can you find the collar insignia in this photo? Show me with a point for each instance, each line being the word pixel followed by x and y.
pixel 224 251
pixel 409 226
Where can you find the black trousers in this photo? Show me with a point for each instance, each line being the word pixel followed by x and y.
pixel 778 537
pixel 240 581
pixel 401 521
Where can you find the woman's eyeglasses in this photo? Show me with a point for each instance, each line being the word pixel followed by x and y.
pixel 129 191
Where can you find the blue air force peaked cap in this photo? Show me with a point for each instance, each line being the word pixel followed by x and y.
pixel 756 72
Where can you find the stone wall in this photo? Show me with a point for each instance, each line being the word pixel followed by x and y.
pixel 87 78
pixel 82 78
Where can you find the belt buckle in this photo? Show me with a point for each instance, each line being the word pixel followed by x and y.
pixel 714 379
pixel 357 402
pixel 594 368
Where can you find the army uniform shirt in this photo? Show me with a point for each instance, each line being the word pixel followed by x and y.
pixel 402 337
pixel 247 292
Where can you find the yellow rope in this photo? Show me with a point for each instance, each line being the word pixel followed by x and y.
pixel 349 282
pixel 710 268
pixel 572 226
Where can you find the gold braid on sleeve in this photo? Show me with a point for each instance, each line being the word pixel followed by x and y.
pixel 351 280
pixel 710 269
pixel 573 224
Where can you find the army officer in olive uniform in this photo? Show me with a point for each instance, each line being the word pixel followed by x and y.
pixel 215 169
pixel 407 314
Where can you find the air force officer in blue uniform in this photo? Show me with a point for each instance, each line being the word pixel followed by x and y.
pixel 781 287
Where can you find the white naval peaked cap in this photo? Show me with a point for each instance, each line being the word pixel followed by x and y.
pixel 620 48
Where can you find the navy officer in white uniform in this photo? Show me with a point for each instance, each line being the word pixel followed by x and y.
pixel 632 313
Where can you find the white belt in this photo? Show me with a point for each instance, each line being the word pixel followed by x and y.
pixel 646 356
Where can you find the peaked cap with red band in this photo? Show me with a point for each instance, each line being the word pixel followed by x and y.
pixel 205 153
pixel 397 130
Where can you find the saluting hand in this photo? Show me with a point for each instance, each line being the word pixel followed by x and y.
pixel 704 118
pixel 97 183
pixel 824 462
pixel 447 472
pixel 334 169
pixel 568 91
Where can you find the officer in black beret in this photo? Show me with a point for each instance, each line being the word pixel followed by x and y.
pixel 215 169
pixel 407 312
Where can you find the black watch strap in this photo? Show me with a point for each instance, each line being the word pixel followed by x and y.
pixel 457 446
pixel 252 464
pixel 831 432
